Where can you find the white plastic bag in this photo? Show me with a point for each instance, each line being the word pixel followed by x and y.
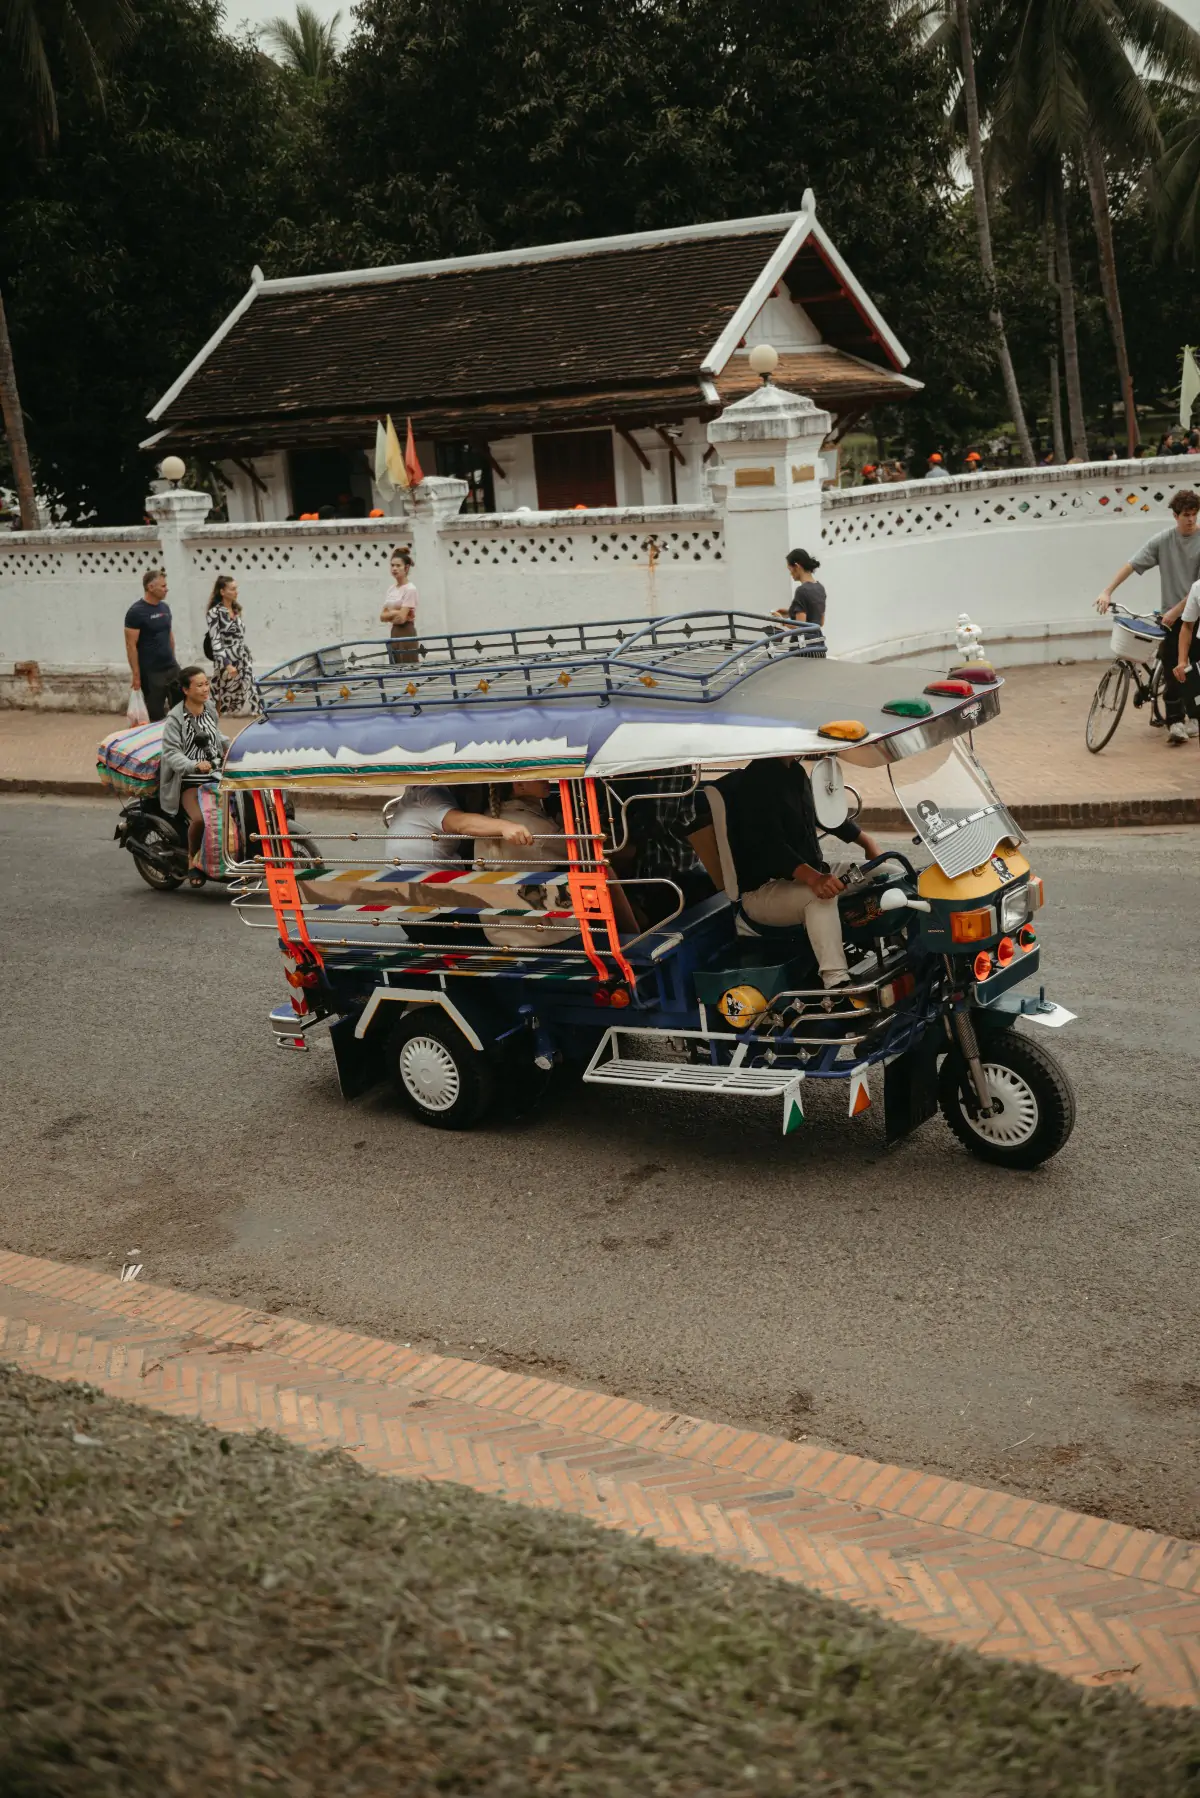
pixel 136 711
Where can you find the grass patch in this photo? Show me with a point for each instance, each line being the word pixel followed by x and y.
pixel 186 1613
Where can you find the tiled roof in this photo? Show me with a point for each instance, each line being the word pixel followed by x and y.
pixel 836 381
pixel 632 317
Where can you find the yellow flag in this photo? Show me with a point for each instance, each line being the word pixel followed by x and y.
pixel 395 457
pixel 1189 387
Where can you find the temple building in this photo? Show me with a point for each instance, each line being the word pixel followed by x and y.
pixel 572 374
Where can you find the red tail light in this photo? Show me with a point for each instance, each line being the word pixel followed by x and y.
pixel 1005 950
pixel 601 996
pixel 982 965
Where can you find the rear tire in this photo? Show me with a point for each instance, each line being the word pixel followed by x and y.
pixel 1108 703
pixel 158 878
pixel 439 1077
pixel 1037 1105
pixel 164 840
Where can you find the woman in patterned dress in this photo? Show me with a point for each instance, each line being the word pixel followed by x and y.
pixel 233 670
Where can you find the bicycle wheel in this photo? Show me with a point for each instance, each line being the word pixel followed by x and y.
pixel 1157 695
pixel 1107 706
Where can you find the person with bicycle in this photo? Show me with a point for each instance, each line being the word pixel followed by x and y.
pixel 1175 552
pixel 1187 668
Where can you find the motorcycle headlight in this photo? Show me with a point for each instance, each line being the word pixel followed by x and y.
pixel 1014 909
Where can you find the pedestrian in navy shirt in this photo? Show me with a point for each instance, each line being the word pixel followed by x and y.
pixel 150 645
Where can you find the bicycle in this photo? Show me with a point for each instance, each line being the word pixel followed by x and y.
pixel 1135 643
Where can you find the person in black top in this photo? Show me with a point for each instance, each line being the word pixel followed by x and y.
pixel 783 879
pixel 808 595
pixel 150 645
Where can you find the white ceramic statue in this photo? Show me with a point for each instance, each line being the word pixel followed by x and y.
pixel 968 639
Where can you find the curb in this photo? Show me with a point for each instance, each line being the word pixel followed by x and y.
pixel 1075 814
pixel 1098 1602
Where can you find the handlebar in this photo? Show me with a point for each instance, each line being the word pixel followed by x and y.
pixel 890 855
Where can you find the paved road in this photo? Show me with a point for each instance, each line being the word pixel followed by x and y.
pixel 1036 1331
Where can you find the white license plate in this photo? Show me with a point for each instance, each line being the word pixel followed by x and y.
pixel 1053 1017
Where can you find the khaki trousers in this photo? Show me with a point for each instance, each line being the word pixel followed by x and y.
pixel 786 902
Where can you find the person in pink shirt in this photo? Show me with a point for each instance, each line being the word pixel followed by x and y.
pixel 400 609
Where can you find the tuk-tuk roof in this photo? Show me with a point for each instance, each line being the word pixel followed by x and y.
pixel 714 689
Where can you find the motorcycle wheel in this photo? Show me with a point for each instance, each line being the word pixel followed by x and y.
pixel 1034 1105
pixel 156 877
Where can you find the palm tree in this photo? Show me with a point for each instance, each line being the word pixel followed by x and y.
pixel 1064 85
pixel 306 45
pixel 38 37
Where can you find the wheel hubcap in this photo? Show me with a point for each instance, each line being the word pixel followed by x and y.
pixel 430 1073
pixel 1014 1108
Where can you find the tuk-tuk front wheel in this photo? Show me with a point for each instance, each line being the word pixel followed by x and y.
pixel 439 1077
pixel 1033 1106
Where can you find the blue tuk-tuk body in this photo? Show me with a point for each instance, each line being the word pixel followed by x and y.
pixel 402 961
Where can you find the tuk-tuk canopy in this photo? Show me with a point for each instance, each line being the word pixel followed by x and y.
pixel 708 689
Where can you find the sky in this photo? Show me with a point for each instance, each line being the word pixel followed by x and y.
pixel 257 12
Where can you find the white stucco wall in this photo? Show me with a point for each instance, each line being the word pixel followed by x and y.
pixel 1024 554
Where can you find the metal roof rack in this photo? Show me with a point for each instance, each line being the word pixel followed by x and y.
pixel 693 656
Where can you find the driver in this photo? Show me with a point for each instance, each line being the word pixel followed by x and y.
pixel 783 878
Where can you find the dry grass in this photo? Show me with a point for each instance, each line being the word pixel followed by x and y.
pixel 183 1613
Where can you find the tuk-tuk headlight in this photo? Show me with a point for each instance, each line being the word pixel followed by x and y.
pixel 1014 909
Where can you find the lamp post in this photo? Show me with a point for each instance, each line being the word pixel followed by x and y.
pixel 173 469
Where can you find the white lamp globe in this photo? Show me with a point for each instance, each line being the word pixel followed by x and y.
pixel 764 360
pixel 172 468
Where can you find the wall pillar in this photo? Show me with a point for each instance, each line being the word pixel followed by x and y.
pixel 177 511
pixel 769 484
pixel 435 501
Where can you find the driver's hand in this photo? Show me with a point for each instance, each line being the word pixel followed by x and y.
pixel 1104 603
pixel 204 767
pixel 827 886
pixel 514 833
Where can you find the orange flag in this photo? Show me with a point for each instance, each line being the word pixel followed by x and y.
pixel 411 466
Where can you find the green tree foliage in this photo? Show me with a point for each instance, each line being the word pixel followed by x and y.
pixel 307 44
pixel 124 246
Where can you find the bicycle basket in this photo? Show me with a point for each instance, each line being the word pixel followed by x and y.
pixel 1136 639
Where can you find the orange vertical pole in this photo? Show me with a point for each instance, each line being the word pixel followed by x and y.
pixel 591 900
pixel 282 886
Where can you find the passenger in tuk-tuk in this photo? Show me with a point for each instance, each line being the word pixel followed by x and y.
pixel 426 826
pixel 665 814
pixel 535 840
pixel 193 750
pixel 783 879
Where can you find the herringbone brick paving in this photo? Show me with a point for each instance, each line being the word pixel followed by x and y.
pixel 1097 1601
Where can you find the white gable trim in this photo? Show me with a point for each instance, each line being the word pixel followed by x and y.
pixel 218 335
pixel 550 252
pixel 870 311
pixel 758 295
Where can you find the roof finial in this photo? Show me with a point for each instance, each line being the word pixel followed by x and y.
pixel 808 202
pixel 256 276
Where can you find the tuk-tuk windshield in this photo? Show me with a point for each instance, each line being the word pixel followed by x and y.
pixel 953 806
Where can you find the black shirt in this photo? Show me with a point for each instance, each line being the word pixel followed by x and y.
pixel 808 597
pixel 154 650
pixel 771 822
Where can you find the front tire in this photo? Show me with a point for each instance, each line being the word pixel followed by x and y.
pixel 1036 1106
pixel 439 1077
pixel 1108 703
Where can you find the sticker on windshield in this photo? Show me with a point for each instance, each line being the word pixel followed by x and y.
pixel 954 809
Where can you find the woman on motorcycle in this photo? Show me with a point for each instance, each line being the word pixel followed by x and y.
pixel 193 750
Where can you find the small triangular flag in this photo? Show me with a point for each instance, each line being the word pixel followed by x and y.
pixel 412 467
pixel 383 479
pixel 397 472
pixel 860 1091
pixel 793 1109
pixel 1189 386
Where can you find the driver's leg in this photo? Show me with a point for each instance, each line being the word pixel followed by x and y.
pixel 191 805
pixel 787 902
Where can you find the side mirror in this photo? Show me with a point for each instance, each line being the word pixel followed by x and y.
pixel 896 899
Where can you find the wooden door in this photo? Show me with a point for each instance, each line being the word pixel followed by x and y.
pixel 574 468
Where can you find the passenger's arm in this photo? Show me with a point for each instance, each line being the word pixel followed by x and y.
pixel 480 824
pixel 1174 615
pixel 1187 631
pixel 131 643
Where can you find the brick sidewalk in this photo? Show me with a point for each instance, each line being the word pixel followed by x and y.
pixel 1034 751
pixel 1098 1602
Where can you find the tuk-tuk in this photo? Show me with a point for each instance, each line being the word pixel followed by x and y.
pixel 468 979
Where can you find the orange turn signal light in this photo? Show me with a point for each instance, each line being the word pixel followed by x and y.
pixel 847 730
pixel 1037 892
pixel 972 926
pixel 982 965
pixel 1005 950
pixel 620 997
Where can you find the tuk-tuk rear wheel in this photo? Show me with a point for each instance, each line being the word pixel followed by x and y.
pixel 1036 1106
pixel 439 1077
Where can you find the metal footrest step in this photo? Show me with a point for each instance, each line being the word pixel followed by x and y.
pixel 609 1067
